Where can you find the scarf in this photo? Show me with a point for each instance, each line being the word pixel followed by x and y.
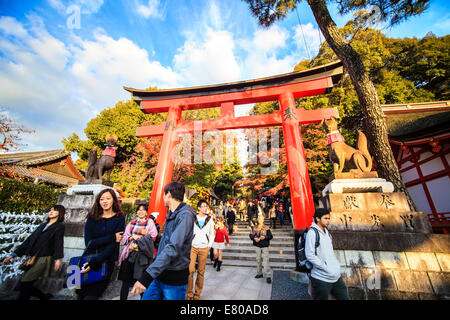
pixel 139 227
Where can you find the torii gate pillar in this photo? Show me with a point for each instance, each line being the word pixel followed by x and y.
pixel 299 184
pixel 164 169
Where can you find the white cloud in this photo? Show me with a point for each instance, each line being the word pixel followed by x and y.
pixel 151 10
pixel 208 60
pixel 86 6
pixel 307 40
pixel 11 27
pixel 107 64
pixel 55 87
pixel 266 53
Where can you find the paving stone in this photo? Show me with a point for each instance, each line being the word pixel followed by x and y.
pixel 412 281
pixel 390 259
pixel 423 261
pixel 352 277
pixel 440 282
pixel 444 261
pixel 359 258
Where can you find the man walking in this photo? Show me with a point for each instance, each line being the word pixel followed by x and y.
pixel 326 272
pixel 203 239
pixel 252 212
pixel 167 277
pixel 231 219
pixel 261 237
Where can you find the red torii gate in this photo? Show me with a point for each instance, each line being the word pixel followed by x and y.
pixel 284 88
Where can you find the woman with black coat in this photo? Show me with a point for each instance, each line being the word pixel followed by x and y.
pixel 102 234
pixel 47 244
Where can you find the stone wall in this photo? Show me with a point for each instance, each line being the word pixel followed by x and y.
pixel 386 251
pixel 387 275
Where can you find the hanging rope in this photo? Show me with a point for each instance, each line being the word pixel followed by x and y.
pixel 301 29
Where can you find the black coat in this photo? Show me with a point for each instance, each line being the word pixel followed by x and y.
pixel 100 239
pixel 51 242
pixel 263 243
pixel 252 210
pixel 231 216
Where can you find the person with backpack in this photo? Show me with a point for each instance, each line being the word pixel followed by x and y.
pixel 325 274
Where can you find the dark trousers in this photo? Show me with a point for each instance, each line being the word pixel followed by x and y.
pixel 27 290
pixel 124 291
pixel 230 228
pixel 273 223
pixel 281 217
pixel 321 289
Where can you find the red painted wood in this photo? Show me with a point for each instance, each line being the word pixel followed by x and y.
pixel 227 123
pixel 301 89
pixel 227 110
pixel 299 183
pixel 439 155
pixel 164 169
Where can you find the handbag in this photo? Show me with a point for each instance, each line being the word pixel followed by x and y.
pixel 90 277
pixel 29 262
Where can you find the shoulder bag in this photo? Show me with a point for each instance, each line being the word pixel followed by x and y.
pixel 29 262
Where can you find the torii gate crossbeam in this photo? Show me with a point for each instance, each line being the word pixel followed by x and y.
pixel 284 88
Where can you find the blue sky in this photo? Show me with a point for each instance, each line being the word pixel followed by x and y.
pixel 63 61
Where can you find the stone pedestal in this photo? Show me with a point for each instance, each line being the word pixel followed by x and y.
pixel 88 189
pixel 358 185
pixel 386 251
pixel 77 208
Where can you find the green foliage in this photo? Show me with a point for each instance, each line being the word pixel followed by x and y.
pixel 136 175
pixel 426 62
pixel 129 210
pixel 227 176
pixel 394 11
pixel 23 197
pixel 122 120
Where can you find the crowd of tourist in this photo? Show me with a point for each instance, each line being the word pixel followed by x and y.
pixel 161 263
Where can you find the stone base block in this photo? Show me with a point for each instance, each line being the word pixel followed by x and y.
pixel 358 185
pixel 366 202
pixel 96 181
pixel 391 241
pixel 352 175
pixel 381 221
pixel 88 189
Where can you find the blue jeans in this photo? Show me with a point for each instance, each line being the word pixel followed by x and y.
pixel 281 217
pixel 160 291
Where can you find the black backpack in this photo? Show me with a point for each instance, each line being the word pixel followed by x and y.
pixel 305 265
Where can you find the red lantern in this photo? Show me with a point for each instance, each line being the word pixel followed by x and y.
pixel 404 149
pixel 435 144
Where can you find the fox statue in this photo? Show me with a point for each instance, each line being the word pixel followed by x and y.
pixel 356 160
pixel 97 167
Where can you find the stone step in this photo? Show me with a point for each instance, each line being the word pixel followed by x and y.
pixel 273 243
pixel 251 249
pixel 274 233
pixel 252 257
pixel 252 264
pixel 246 237
pixel 278 227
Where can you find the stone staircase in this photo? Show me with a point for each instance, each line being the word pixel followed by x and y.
pixel 241 252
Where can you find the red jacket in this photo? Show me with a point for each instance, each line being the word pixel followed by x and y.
pixel 221 234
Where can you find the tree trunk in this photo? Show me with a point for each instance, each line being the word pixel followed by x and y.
pixel 374 123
